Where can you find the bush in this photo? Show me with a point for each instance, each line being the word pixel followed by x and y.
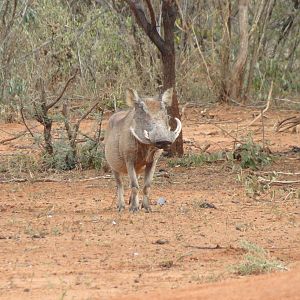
pixel 91 156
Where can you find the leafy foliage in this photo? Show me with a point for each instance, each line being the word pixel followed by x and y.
pixel 252 155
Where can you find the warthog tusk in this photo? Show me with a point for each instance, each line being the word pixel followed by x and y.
pixel 178 128
pixel 146 134
pixel 137 137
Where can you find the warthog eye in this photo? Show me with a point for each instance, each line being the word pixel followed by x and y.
pixel 141 105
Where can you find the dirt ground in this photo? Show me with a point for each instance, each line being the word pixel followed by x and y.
pixel 64 239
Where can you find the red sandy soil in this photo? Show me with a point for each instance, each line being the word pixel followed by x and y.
pixel 65 240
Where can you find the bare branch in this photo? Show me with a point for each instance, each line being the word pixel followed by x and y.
pixel 62 92
pixel 76 127
pixel 287 124
pixel 65 113
pixel 151 12
pixel 149 29
pixel 202 57
pixel 23 119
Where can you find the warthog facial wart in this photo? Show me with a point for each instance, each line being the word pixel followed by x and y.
pixel 134 141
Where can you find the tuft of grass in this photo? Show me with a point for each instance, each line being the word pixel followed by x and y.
pixel 256 261
pixel 253 187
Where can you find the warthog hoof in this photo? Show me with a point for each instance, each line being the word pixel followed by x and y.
pixel 133 208
pixel 147 208
pixel 120 207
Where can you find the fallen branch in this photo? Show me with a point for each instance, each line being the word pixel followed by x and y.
pixel 287 123
pixel 14 137
pixel 279 173
pixel 54 180
pixel 278 182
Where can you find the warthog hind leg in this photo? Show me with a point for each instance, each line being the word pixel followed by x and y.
pixel 120 191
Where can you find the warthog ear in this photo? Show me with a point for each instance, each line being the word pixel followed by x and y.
pixel 167 97
pixel 131 97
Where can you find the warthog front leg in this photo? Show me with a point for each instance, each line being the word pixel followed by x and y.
pixel 120 191
pixel 134 198
pixel 149 172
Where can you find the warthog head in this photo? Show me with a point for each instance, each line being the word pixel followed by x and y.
pixel 151 122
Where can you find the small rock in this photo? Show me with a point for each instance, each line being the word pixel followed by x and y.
pixel 38 236
pixel 207 205
pixel 161 201
pixel 241 227
pixel 161 242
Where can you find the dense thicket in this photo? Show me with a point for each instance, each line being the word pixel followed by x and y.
pixel 48 40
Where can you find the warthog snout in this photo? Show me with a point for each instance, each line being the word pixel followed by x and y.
pixel 162 144
pixel 134 142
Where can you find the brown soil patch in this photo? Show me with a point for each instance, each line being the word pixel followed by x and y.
pixel 65 240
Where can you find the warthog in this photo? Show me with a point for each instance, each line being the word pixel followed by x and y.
pixel 134 141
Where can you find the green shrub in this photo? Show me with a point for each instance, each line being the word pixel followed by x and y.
pixel 252 155
pixel 91 156
pixel 62 158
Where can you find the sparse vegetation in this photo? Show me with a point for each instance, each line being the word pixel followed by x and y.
pixel 252 155
pixel 256 261
pixel 195 160
pixel 248 155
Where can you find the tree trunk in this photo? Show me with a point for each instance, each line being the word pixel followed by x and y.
pixel 169 12
pixel 237 76
pixel 225 54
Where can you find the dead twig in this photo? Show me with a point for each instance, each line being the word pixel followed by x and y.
pixel 229 134
pixel 202 57
pixel 261 115
pixel 24 122
pixel 62 92
pixel 72 131
pixel 14 137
